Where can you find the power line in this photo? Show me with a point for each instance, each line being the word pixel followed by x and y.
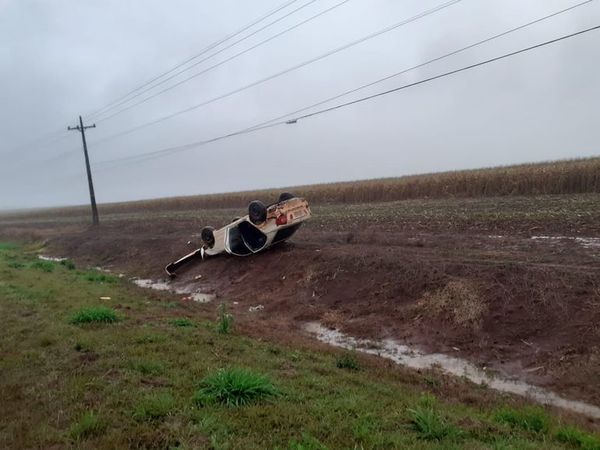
pixel 212 55
pixel 426 63
pixel 202 52
pixel 290 69
pixel 170 150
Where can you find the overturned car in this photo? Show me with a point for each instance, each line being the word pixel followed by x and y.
pixel 261 228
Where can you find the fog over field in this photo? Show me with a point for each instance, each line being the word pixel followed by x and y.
pixel 63 58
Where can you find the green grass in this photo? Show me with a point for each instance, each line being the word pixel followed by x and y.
pixel 529 419
pixel 431 425
pixel 234 387
pixel 99 277
pixel 577 438
pixel 183 322
pixel 87 426
pixel 137 383
pixel 44 266
pixel 347 361
pixel 148 367
pixel 97 314
pixel 154 407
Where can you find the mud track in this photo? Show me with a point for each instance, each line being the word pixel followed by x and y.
pixel 530 268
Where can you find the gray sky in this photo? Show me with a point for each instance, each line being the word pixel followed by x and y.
pixel 62 58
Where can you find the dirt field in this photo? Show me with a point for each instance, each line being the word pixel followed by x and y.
pixel 511 283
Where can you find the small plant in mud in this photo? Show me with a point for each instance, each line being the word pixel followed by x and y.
pixel 347 361
pixel 182 322
pixel 68 264
pixel 224 320
pixel 234 387
pixel 99 314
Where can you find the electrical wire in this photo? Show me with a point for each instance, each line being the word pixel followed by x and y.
pixel 212 55
pixel 164 152
pixel 288 70
pixel 426 63
pixel 202 52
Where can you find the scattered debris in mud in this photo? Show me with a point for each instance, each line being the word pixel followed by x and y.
pixel 406 356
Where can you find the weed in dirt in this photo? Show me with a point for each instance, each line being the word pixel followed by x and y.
pixel 347 361
pixel 577 438
pixel 15 265
pixel 68 264
pixel 460 299
pixel 154 407
pixel 7 246
pixel 44 266
pixel 224 320
pixel 529 419
pixel 148 367
pixel 234 387
pixel 98 314
pixel 182 322
pixel 87 426
pixel 431 425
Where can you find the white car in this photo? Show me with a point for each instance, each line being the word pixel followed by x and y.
pixel 263 227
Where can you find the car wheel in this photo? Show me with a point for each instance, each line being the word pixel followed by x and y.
pixel 257 212
pixel 208 236
pixel 285 196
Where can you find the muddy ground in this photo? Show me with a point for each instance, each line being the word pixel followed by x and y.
pixel 512 284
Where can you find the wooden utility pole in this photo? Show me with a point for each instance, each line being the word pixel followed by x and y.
pixel 82 129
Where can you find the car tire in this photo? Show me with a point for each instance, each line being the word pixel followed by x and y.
pixel 207 236
pixel 285 196
pixel 257 212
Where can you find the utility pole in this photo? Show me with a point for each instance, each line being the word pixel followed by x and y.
pixel 82 129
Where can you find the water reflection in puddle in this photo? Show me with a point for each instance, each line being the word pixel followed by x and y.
pixel 413 358
pixel 193 294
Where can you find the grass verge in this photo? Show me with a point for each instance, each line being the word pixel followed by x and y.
pixel 145 383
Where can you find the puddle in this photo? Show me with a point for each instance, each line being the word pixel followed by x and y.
pixel 192 294
pixel 589 243
pixel 51 258
pixel 410 357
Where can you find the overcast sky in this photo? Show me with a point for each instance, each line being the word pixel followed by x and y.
pixel 62 58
